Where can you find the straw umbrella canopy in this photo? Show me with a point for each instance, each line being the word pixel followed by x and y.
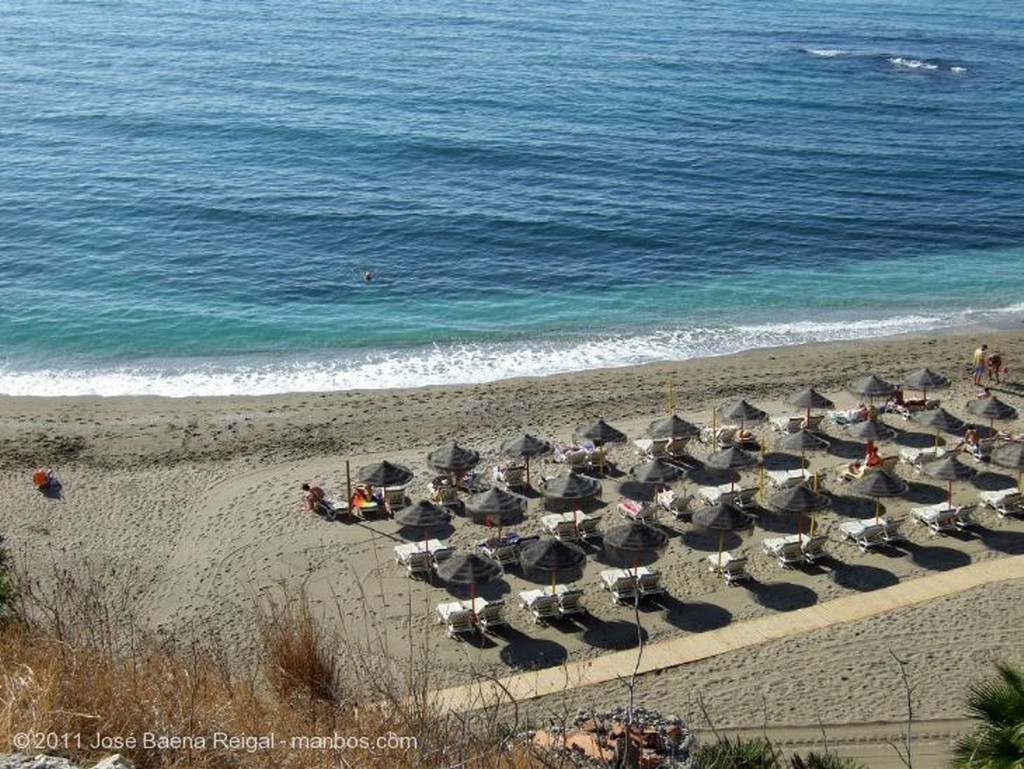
pixel 872 387
pixel 672 427
pixel 634 542
pixel 721 517
pixel 991 408
pixel 600 432
pixel 797 500
pixel 803 441
pixel 496 505
pixel 423 515
pixel 526 446
pixel 879 483
pixel 941 420
pixel 570 486
pixel 871 430
pixel 1010 455
pixel 742 411
pixel 657 471
pixel 552 556
pixel 384 474
pixel 469 569
pixel 925 379
pixel 732 458
pixel 454 459
pixel 948 468
pixel 809 398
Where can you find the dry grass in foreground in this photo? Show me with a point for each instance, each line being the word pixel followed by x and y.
pixel 79 676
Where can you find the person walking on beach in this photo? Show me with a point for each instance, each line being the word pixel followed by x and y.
pixel 979 363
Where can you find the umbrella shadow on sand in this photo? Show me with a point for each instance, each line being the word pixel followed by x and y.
pixel 924 493
pixel 936 557
pixel 415 533
pixel 783 523
pixel 695 616
pixel 523 652
pixel 611 635
pixel 853 506
pixel 1002 540
pixel 637 491
pixel 991 480
pixel 783 596
pixel 781 460
pixel 711 541
pixel 917 439
pixel 863 578
pixel 847 448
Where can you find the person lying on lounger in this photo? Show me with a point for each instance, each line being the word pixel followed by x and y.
pixel 871 459
pixel 314 497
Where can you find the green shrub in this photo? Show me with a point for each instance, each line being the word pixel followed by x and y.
pixel 728 753
pixel 824 761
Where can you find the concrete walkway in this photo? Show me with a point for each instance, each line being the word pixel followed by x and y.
pixel 737 635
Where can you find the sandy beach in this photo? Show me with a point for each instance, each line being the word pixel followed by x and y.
pixel 191 510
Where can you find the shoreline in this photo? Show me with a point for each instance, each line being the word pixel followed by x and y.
pixel 197 500
pixel 442 364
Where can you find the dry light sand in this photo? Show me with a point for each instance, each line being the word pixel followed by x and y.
pixel 190 509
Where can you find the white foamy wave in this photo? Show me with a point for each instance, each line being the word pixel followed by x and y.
pixel 465 363
pixel 901 61
pixel 958 70
pixel 826 52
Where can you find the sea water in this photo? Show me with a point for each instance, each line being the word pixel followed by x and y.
pixel 191 192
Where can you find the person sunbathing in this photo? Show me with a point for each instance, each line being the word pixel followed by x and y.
pixel 314 497
pixel 362 495
pixel 871 459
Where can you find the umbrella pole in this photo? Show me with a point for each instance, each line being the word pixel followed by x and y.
pixel 527 471
pixel 348 486
pixel 949 500
pixel 760 474
pixel 714 431
pixel 721 542
pixel 878 510
pixel 671 399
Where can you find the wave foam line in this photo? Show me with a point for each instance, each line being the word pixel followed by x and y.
pixel 459 363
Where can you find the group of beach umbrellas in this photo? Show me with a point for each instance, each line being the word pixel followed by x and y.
pixel 638 542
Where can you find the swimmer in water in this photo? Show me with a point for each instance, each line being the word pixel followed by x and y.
pixel 367 275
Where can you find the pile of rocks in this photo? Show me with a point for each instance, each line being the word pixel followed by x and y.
pixel 21 761
pixel 602 739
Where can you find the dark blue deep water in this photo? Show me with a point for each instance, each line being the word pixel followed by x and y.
pixel 189 191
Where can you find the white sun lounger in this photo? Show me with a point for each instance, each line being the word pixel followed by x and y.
pixel 787 550
pixel 458 619
pixel 733 568
pixel 1004 501
pixel 542 604
pixel 866 535
pixel 621 584
pixel 940 517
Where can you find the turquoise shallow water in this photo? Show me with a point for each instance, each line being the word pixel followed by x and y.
pixel 190 191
